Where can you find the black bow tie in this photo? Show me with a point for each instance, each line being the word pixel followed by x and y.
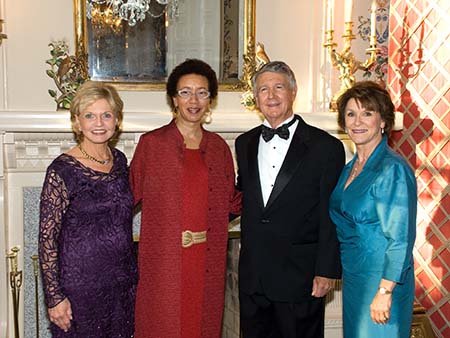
pixel 282 132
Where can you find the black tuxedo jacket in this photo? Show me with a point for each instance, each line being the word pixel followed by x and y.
pixel 290 241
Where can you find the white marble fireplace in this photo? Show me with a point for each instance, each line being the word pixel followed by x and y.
pixel 28 143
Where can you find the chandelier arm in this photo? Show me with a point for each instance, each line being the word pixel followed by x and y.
pixel 132 11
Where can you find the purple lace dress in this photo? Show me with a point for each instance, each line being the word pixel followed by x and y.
pixel 86 249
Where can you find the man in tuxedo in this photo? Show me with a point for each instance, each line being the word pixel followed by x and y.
pixel 289 255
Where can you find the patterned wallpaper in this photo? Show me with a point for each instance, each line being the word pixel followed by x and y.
pixel 378 70
pixel 419 81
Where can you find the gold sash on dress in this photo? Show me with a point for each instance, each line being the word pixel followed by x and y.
pixel 189 238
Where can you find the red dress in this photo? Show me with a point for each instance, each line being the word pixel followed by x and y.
pixel 156 177
pixel 195 200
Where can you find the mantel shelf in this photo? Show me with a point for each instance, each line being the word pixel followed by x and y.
pixel 138 122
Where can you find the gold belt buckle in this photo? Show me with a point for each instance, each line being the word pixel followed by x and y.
pixel 189 238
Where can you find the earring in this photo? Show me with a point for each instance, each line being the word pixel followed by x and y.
pixel 208 117
pixel 382 131
pixel 175 112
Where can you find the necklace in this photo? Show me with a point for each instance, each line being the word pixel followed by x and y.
pixel 92 158
pixel 356 169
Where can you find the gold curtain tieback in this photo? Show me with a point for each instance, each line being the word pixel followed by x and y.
pixel 189 238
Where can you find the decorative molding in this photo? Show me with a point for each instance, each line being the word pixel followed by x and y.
pixel 59 121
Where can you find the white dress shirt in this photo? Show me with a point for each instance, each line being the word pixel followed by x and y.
pixel 271 156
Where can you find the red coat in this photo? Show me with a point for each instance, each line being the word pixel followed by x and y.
pixel 155 179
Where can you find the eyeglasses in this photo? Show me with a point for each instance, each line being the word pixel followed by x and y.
pixel 187 94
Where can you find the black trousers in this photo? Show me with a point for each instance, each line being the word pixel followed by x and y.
pixel 263 318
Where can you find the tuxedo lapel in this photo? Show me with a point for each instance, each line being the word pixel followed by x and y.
pixel 291 162
pixel 253 167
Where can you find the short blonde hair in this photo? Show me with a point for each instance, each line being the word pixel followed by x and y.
pixel 87 94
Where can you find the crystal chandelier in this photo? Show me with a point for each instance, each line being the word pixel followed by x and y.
pixel 133 11
pixel 104 20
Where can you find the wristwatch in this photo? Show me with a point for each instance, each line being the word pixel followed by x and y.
pixel 384 291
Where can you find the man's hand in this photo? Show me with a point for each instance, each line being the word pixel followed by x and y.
pixel 321 286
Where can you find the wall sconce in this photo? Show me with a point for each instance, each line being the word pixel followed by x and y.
pixel 2 36
pixel 345 61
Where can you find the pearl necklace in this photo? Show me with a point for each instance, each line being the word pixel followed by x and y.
pixel 92 158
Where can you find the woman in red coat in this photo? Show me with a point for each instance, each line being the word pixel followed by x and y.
pixel 183 176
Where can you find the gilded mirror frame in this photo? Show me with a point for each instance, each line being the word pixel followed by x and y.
pixel 248 68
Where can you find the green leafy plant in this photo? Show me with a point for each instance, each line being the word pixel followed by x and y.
pixel 67 71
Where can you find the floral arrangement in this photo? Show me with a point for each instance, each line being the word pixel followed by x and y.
pixel 67 71
pixel 248 100
pixel 380 67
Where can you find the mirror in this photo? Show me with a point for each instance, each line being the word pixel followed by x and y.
pixel 140 56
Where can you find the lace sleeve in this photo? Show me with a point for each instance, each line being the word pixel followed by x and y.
pixel 53 204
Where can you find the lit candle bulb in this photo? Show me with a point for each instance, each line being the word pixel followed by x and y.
pixel 373 19
pixel 348 10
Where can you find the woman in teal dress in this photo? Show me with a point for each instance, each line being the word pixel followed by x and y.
pixel 374 208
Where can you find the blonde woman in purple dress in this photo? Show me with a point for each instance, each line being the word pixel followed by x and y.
pixel 85 237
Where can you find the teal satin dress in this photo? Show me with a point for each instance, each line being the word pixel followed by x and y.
pixel 375 218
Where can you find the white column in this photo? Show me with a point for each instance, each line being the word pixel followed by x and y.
pixel 4 287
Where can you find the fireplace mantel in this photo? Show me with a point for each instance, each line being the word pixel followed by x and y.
pixel 30 140
pixel 59 121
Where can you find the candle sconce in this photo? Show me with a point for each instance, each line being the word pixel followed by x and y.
pixel 345 62
pixel 2 36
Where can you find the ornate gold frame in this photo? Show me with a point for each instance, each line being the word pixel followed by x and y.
pixel 248 57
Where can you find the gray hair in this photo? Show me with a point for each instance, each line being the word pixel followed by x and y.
pixel 275 67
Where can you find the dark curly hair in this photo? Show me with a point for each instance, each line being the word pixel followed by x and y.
pixel 191 66
pixel 371 97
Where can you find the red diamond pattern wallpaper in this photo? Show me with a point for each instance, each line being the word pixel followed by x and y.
pixel 419 82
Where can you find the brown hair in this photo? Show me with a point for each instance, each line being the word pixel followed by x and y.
pixel 371 97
